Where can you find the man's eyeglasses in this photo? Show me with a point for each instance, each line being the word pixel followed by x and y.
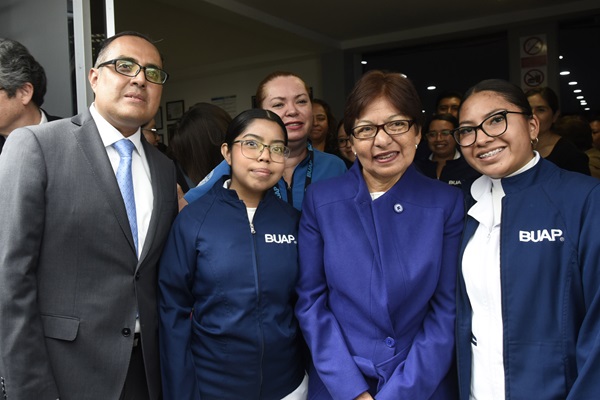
pixel 434 134
pixel 392 128
pixel 252 149
pixel 493 126
pixel 131 69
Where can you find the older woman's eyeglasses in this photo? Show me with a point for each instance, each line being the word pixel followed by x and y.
pixel 493 126
pixel 392 128
pixel 252 149
pixel 131 69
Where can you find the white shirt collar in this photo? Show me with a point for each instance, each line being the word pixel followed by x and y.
pixel 488 193
pixel 529 165
pixel 110 135
pixel 43 118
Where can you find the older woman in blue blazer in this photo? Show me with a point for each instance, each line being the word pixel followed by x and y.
pixel 378 256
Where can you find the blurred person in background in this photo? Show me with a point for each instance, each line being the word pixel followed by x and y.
pixel 445 163
pixel 550 145
pixel 594 152
pixel 22 89
pixel 344 144
pixel 196 143
pixel 322 135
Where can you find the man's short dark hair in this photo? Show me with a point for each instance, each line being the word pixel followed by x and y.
pixel 17 67
pixel 106 43
pixel 448 94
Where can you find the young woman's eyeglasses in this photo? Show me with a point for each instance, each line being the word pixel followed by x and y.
pixel 493 126
pixel 252 149
pixel 392 128
pixel 434 134
pixel 343 142
pixel 131 69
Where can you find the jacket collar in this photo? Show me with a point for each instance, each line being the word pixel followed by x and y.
pixel 231 195
pixel 401 189
pixel 539 173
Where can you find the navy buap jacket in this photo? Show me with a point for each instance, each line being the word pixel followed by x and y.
pixel 456 172
pixel 550 283
pixel 377 287
pixel 242 339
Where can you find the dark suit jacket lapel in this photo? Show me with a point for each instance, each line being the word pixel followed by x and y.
pixel 90 143
pixel 157 204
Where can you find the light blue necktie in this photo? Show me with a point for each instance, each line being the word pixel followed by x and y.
pixel 125 180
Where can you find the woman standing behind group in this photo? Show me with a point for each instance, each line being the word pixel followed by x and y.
pixel 529 287
pixel 378 250
pixel 322 134
pixel 445 162
pixel 196 143
pixel 288 96
pixel 227 276
pixel 550 145
pixel 344 145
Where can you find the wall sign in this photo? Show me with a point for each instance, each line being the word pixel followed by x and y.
pixel 534 61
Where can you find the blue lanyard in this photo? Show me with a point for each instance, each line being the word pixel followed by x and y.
pixel 307 180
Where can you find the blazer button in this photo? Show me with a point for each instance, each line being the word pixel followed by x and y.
pixel 389 342
pixel 126 332
pixel 137 276
pixel 398 208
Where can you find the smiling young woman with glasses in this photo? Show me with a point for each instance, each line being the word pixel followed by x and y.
pixel 227 278
pixel 445 162
pixel 529 288
pixel 494 125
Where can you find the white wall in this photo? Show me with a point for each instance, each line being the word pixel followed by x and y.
pixel 41 26
pixel 241 84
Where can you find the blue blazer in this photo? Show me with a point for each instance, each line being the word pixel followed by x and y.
pixel 377 287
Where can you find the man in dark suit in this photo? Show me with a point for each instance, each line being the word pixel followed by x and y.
pixel 22 89
pixel 82 228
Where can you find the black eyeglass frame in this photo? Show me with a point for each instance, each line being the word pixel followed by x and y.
pixel 141 68
pixel 455 132
pixel 379 127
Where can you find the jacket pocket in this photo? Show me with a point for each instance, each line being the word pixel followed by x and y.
pixel 59 327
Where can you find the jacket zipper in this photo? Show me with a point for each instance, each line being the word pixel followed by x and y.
pixel 258 305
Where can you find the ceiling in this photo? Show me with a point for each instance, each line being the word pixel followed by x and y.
pixel 208 37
